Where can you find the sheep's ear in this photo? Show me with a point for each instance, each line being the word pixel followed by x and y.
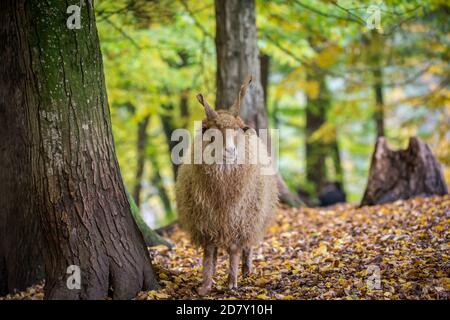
pixel 210 113
pixel 234 109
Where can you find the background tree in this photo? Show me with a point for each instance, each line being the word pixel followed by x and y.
pixel 238 57
pixel 81 200
pixel 412 76
pixel 142 140
pixel 141 39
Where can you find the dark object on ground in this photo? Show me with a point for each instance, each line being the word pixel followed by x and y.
pixel 331 194
pixel 403 174
pixel 305 197
pixel 167 230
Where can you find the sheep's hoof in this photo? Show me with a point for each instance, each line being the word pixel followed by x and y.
pixel 247 271
pixel 232 285
pixel 203 290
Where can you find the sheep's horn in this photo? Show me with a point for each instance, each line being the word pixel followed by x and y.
pixel 234 109
pixel 210 113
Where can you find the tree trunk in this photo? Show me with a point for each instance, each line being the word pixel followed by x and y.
pixel 264 61
pixel 238 57
pixel 142 140
pixel 375 52
pixel 403 174
pixel 168 126
pixel 378 114
pixel 316 150
pixel 157 181
pixel 21 262
pixel 336 155
pixel 184 106
pixel 81 201
pixel 166 121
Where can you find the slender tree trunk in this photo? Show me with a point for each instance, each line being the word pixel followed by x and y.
pixel 168 123
pixel 151 238
pixel 156 178
pixel 157 181
pixel 238 57
pixel 375 51
pixel 316 150
pixel 184 106
pixel 336 155
pixel 142 140
pixel 75 179
pixel 168 127
pixel 21 262
pixel 264 62
pixel 378 114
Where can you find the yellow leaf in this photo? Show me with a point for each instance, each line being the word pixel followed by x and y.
pixel 312 89
pixel 321 250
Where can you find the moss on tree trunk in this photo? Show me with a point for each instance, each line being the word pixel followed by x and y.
pixel 75 178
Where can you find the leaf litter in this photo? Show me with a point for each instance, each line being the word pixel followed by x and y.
pixel 391 251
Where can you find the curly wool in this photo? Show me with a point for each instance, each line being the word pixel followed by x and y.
pixel 225 205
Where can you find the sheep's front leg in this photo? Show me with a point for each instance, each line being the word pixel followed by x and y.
pixel 215 254
pixel 234 253
pixel 209 257
pixel 247 261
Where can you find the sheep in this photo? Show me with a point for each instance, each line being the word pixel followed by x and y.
pixel 226 205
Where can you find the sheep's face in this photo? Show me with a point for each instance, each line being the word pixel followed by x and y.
pixel 225 125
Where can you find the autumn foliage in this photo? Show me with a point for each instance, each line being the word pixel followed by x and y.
pixel 325 254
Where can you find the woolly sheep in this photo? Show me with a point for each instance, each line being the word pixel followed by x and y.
pixel 226 205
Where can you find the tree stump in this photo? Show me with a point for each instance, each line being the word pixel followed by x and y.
pixel 403 174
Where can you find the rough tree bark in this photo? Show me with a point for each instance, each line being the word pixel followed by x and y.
pixel 403 174
pixel 75 179
pixel 21 262
pixel 238 57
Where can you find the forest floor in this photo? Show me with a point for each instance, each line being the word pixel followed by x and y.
pixel 333 253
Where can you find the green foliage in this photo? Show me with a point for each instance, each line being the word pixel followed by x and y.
pixel 155 51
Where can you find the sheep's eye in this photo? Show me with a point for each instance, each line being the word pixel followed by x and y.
pixel 213 138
